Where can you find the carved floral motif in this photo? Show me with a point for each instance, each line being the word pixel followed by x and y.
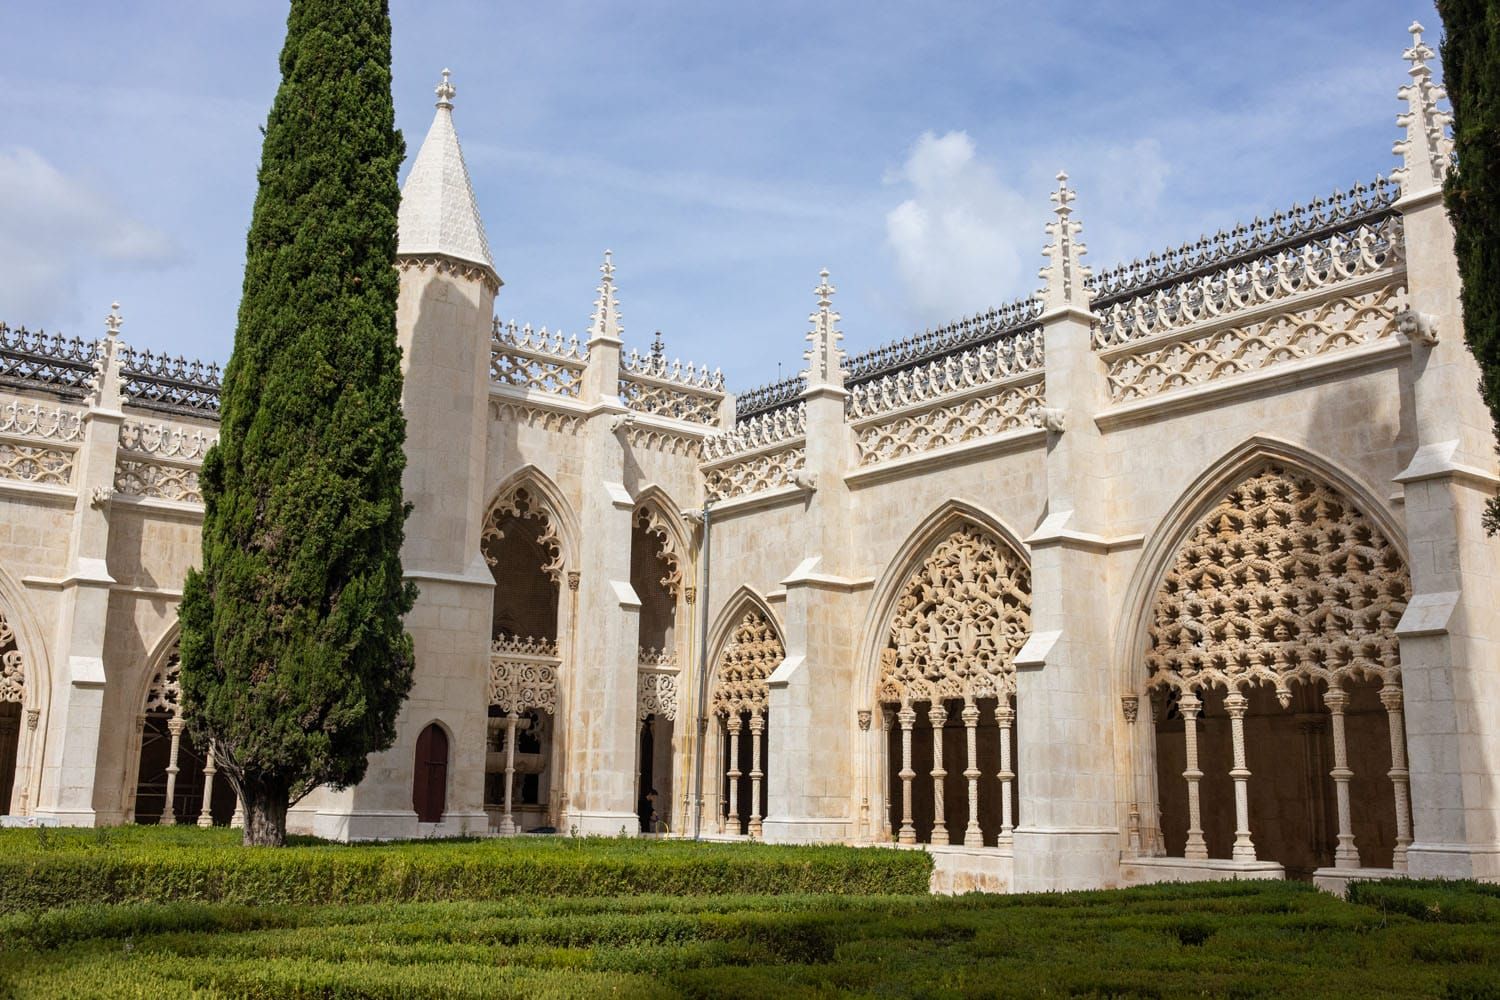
pixel 158 481
pixel 12 665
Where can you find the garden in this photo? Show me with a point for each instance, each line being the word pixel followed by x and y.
pixel 165 912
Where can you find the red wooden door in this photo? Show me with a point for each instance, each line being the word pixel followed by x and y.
pixel 429 791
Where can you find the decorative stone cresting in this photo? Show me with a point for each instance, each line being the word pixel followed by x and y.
pixel 536 360
pixel 975 418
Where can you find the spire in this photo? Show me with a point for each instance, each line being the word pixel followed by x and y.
pixel 606 322
pixel 825 359
pixel 1426 151
pixel 106 377
pixel 1065 275
pixel 438 212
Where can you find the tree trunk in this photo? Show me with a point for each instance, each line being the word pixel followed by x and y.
pixel 265 812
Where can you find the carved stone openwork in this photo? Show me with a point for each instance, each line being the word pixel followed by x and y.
pixel 165 693
pixel 523 674
pixel 12 665
pixel 1285 579
pixel 522 503
pixel 959 622
pixel 650 520
pixel 752 653
pixel 656 694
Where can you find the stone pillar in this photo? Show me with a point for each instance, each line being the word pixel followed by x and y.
pixel 1244 849
pixel 757 731
pixel 1449 644
pixel 973 836
pixel 1005 717
pixel 907 717
pixel 1195 848
pixel 508 818
pixel 71 757
pixel 732 772
pixel 206 814
pixel 1346 855
pixel 937 715
pixel 1070 835
pixel 1390 697
pixel 169 811
pixel 1130 705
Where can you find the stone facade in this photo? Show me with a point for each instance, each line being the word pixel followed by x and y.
pixel 1171 571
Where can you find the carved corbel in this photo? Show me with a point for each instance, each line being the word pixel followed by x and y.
pixel 1418 327
pixel 806 481
pixel 1050 417
pixel 620 421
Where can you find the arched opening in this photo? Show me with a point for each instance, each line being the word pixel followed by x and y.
pixel 656 577
pixel 947 692
pixel 741 704
pixel 521 545
pixel 176 781
pixel 429 789
pixel 1273 679
pixel 12 694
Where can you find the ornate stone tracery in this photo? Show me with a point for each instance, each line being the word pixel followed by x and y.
pixel 164 695
pixel 521 503
pixel 1285 579
pixel 12 664
pixel 959 622
pixel 649 519
pixel 754 650
pixel 523 675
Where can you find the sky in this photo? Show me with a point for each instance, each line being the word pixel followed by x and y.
pixel 724 152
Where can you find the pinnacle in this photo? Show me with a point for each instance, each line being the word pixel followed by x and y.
pixel 439 214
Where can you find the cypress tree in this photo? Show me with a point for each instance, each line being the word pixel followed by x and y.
pixel 294 659
pixel 1471 75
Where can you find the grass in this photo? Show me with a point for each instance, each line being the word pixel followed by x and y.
pixel 1236 939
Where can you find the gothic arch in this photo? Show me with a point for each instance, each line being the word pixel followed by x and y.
pixel 19 619
pixel 545 497
pixel 936 527
pixel 663 519
pixel 161 652
pixel 24 693
pixel 752 641
pixel 742 600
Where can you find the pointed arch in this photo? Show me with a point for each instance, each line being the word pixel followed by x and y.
pixel 659 515
pixel 743 604
pixel 928 535
pixel 158 665
pixel 1196 502
pixel 530 492
pixel 25 670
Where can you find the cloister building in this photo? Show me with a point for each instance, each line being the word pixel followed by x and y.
pixel 1172 570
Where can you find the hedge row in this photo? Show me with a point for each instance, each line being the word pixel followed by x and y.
pixel 75 874
pixel 1262 939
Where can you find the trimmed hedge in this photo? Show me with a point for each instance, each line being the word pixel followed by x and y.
pixel 55 870
pixel 1221 939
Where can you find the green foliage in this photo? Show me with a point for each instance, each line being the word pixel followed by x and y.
pixel 1471 75
pixel 1263 939
pixel 294 659
pixel 73 869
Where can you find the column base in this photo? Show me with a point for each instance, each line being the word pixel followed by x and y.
pixel 1061 859
pixel 1337 880
pixel 807 830
pixel 1147 871
pixel 1429 860
pixel 387 825
pixel 64 817
pixel 603 823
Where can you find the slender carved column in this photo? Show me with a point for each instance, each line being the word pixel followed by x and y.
pixel 732 817
pixel 508 819
pixel 937 715
pixel 1189 704
pixel 206 814
pixel 1390 697
pixel 973 836
pixel 237 821
pixel 169 811
pixel 907 717
pixel 1244 848
pixel 757 730
pixel 32 716
pixel 1346 855
pixel 1130 705
pixel 887 723
pixel 1005 716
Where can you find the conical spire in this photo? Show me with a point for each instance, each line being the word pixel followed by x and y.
pixel 1065 275
pixel 438 212
pixel 825 359
pixel 606 322
pixel 1426 151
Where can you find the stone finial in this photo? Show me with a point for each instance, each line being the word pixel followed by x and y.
pixel 1065 275
pixel 825 359
pixel 1427 150
pixel 445 91
pixel 658 350
pixel 606 322
pixel 105 380
pixel 113 321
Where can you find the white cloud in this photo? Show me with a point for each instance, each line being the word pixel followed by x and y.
pixel 955 239
pixel 54 227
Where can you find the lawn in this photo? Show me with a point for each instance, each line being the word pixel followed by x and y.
pixel 1224 939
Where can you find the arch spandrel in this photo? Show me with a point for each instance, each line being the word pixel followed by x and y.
pixel 1285 578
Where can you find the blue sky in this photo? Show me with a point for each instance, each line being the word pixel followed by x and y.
pixel 725 152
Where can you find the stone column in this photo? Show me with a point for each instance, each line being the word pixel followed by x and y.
pixel 973 836
pixel 907 717
pixel 1390 697
pixel 169 811
pixel 1005 717
pixel 732 815
pixel 1346 855
pixel 1195 848
pixel 508 818
pixel 757 730
pixel 937 715
pixel 206 814
pixel 1130 705
pixel 1244 849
